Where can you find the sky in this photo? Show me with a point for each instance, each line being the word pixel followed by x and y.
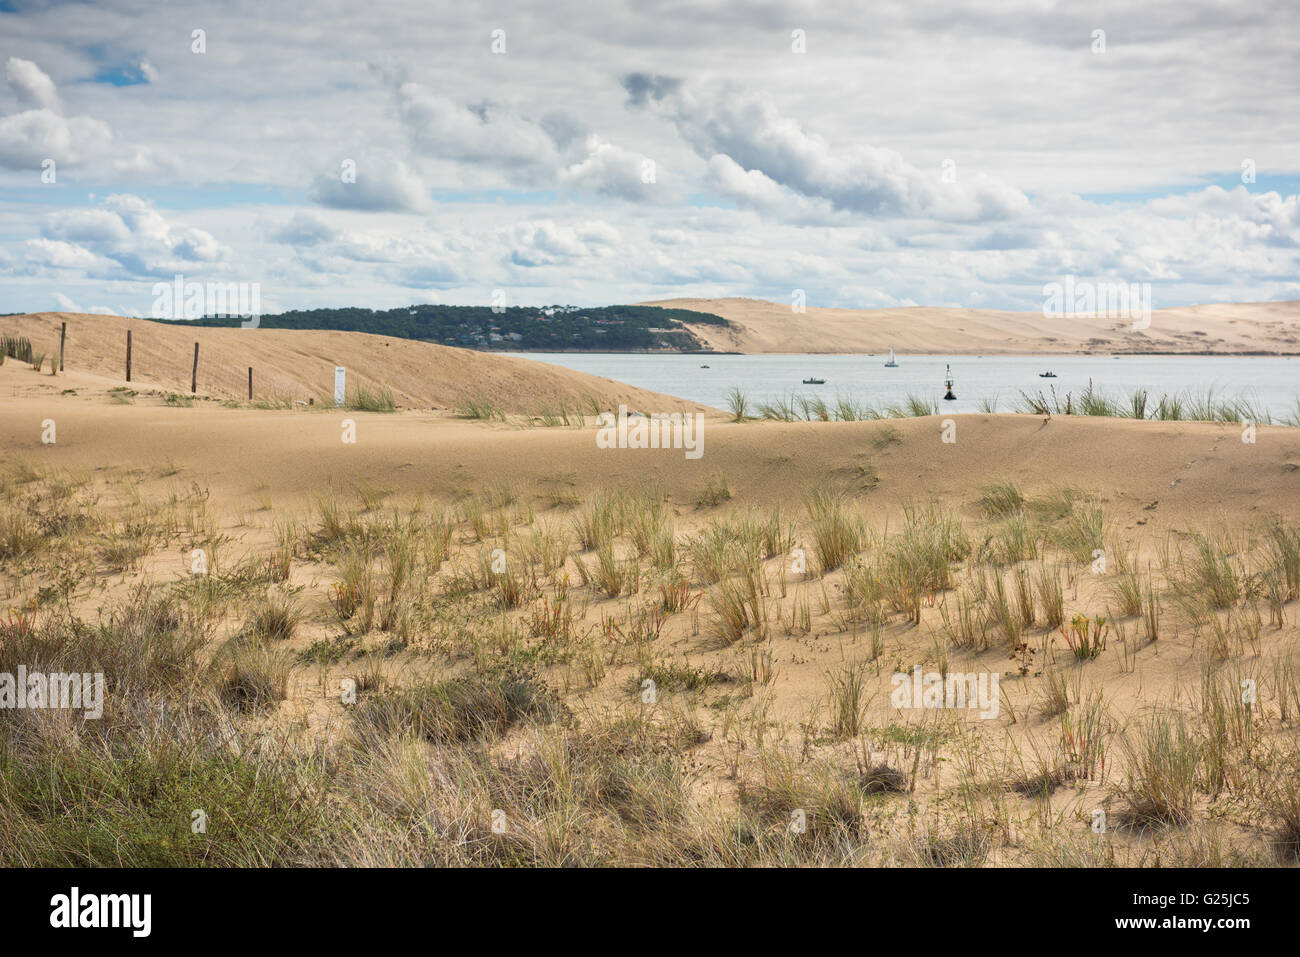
pixel 875 154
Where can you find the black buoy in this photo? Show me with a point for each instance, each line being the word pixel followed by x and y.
pixel 947 383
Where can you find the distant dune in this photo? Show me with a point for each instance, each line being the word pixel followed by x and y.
pixel 298 365
pixel 762 326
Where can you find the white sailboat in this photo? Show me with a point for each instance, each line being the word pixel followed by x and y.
pixel 891 364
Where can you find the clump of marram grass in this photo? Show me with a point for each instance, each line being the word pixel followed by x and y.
pixel 738 404
pixel 914 407
pixel 1283 553
pixel 837 535
pixel 1054 695
pixel 1081 531
pixel 251 677
pixel 600 521
pixel 784 409
pixel 849 699
pixel 450 710
pixel 19 534
pixel 678 676
pixel 918 562
pixel 366 398
pixel 820 801
pixel 723 546
pixel 651 530
pixel 275 619
pixel 1014 540
pixel 1165 756
pixel 80 804
pixel 1000 499
pixel 612 576
pixel 966 846
pixel 1051 596
pixel 739 604
pixel 147 641
pixel 967 625
pixel 1282 804
pixel 336 524
pixel 1208 577
pixel 476 407
pixel 1126 585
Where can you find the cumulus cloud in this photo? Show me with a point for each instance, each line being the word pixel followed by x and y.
pixel 554 150
pixel 304 229
pixel 547 243
pixel 60 255
pixel 42 132
pixel 610 170
pixel 87 226
pixel 748 129
pixel 33 87
pixel 773 171
pixel 415 260
pixel 373 182
pixel 488 134
pixel 28 139
pixel 126 235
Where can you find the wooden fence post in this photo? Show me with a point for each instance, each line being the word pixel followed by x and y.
pixel 250 383
pixel 194 376
pixel 63 337
pixel 128 355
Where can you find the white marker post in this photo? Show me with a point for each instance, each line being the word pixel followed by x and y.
pixel 340 386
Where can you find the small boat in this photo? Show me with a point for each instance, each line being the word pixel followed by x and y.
pixel 947 384
pixel 704 367
pixel 1047 375
pixel 891 364
pixel 812 380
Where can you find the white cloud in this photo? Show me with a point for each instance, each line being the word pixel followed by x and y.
pixel 33 87
pixel 774 171
pixel 492 135
pixel 547 243
pixel 60 255
pixel 610 170
pixel 746 129
pixel 28 139
pixel 124 233
pixel 381 183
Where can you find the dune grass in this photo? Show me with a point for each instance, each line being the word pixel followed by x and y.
pixel 636 682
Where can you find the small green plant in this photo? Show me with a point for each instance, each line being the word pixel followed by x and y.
pixel 1000 499
pixel 367 398
pixel 476 407
pixel 1086 636
pixel 715 491
pixel 849 699
pixel 738 404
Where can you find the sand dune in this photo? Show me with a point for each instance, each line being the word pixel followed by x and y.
pixel 253 485
pixel 761 326
pixel 296 365
pixel 1194 470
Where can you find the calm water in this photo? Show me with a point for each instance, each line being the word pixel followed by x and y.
pixel 1271 382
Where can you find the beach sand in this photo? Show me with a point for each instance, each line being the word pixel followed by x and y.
pixel 773 691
